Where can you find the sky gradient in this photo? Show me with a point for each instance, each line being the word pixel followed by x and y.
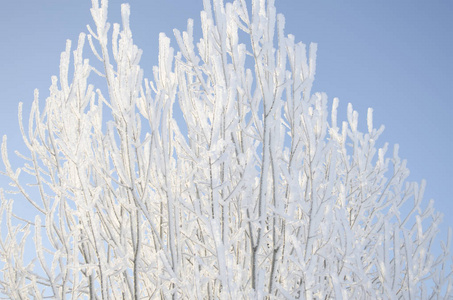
pixel 393 56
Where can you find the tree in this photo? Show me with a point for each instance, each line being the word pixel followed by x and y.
pixel 254 193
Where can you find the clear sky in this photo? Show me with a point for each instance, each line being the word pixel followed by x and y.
pixel 394 56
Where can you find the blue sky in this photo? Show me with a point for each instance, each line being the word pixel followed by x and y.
pixel 394 56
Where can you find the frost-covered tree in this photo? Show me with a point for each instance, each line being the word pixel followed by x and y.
pixel 257 192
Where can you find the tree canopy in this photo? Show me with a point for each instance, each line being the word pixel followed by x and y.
pixel 258 191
